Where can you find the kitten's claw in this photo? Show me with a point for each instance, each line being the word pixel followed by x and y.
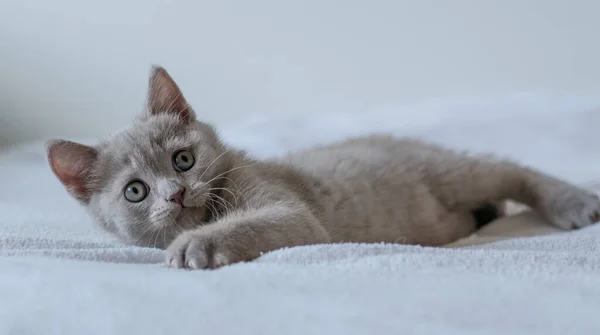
pixel 570 207
pixel 195 250
pixel 220 260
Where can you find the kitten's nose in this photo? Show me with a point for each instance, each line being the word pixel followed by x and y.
pixel 177 197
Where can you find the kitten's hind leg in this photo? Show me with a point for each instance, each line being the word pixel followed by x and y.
pixel 462 182
pixel 487 213
pixel 448 227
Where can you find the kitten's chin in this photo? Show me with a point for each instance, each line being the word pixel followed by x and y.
pixel 165 231
pixel 191 217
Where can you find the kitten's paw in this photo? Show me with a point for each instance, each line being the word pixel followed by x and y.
pixel 197 250
pixel 570 207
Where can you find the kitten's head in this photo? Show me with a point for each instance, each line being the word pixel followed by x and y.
pixel 153 180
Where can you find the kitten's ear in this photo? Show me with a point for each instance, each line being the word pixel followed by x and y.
pixel 164 96
pixel 72 163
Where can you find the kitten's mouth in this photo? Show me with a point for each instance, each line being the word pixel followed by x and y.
pixel 194 215
pixel 207 209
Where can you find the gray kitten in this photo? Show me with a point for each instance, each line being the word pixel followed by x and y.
pixel 169 182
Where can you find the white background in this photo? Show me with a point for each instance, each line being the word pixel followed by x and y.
pixel 71 68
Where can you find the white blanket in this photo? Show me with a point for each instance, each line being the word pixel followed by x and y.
pixel 60 275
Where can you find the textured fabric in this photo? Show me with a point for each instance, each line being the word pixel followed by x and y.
pixel 60 275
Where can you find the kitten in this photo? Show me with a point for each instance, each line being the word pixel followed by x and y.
pixel 169 182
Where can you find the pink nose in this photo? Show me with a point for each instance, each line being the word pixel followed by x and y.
pixel 177 197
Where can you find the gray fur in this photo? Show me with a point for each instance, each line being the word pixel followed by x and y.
pixel 368 189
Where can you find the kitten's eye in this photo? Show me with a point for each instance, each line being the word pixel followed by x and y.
pixel 135 191
pixel 183 160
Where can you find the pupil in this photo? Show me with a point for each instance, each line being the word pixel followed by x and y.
pixel 184 158
pixel 135 190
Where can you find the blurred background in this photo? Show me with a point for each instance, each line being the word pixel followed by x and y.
pixel 71 68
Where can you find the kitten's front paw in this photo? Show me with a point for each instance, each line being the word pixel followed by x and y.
pixel 197 250
pixel 570 207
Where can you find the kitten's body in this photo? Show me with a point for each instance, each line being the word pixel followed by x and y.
pixel 380 188
pixel 227 208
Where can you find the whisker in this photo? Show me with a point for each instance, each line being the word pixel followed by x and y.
pixel 150 237
pixel 226 190
pixel 236 188
pixel 213 162
pixel 155 234
pixel 223 204
pixel 212 209
pixel 230 170
pixel 254 186
pixel 225 200
pixel 141 228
